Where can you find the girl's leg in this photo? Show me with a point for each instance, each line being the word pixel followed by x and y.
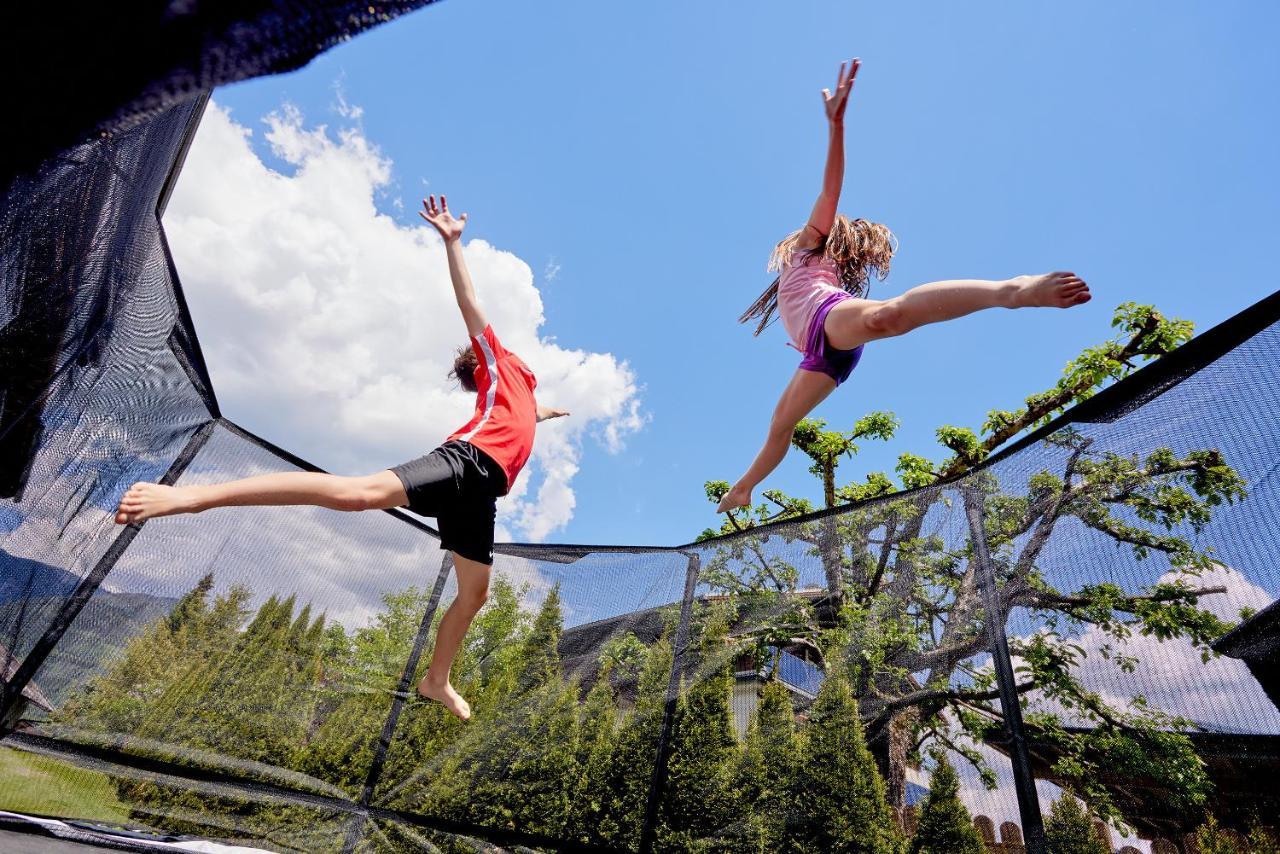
pixel 855 322
pixel 372 492
pixel 473 592
pixel 805 391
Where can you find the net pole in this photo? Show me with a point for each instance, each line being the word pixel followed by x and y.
pixel 355 831
pixel 1024 781
pixel 11 693
pixel 658 782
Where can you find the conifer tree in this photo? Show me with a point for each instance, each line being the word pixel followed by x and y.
pixel 700 808
pixel 945 825
pixel 839 795
pixel 630 768
pixel 1069 829
pixel 768 764
pixel 596 721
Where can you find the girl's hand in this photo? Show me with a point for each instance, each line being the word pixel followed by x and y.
pixel 836 103
pixel 546 413
pixel 449 227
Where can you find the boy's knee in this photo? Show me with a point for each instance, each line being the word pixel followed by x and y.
pixel 358 493
pixel 888 319
pixel 475 599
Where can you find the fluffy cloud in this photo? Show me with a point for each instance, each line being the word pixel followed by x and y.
pixel 329 326
pixel 1220 694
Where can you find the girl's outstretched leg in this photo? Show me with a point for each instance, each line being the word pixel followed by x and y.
pixel 855 322
pixel 473 592
pixel 373 492
pixel 805 391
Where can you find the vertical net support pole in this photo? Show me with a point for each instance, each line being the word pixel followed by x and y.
pixel 11 692
pixel 356 828
pixel 1023 780
pixel 658 782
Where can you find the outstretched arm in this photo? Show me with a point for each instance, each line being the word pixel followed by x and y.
pixel 824 210
pixel 450 230
pixel 546 412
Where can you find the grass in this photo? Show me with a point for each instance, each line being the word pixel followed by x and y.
pixel 30 783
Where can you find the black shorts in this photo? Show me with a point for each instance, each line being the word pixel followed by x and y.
pixel 459 485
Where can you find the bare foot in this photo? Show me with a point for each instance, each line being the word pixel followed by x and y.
pixel 1050 290
pixel 447 697
pixel 148 500
pixel 736 497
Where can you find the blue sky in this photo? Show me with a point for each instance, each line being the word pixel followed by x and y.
pixel 655 152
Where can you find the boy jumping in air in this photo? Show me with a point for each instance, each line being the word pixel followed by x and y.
pixel 458 483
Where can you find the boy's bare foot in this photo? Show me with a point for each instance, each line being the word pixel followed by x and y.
pixel 148 500
pixel 445 696
pixel 736 497
pixel 1050 290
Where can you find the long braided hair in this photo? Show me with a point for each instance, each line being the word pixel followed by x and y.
pixel 860 249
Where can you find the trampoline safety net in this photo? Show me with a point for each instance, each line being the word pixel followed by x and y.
pixel 793 687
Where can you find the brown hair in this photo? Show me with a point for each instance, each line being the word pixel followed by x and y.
pixel 464 367
pixel 860 249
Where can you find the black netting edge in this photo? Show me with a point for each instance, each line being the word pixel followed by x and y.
pixel 109 760
pixel 1110 403
pixel 1024 780
pixel 658 782
pixel 11 691
pixel 401 696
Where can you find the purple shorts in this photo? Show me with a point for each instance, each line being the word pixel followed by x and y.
pixel 821 357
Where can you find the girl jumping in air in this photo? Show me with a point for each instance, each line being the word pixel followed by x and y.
pixel 458 483
pixel 820 294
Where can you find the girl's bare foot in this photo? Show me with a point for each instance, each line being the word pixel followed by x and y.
pixel 736 497
pixel 1050 290
pixel 148 500
pixel 444 694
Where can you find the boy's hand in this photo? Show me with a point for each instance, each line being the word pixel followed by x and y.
pixel 836 103
pixel 449 227
pixel 546 412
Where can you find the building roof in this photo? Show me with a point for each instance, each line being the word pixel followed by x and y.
pixel 1256 638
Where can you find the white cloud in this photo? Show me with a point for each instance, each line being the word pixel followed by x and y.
pixel 1220 694
pixel 329 326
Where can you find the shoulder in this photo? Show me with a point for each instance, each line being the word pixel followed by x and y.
pixel 487 344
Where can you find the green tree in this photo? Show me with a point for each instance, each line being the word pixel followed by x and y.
pixel 945 826
pixel 596 723
pixel 1070 830
pixel 769 762
pixel 839 795
pixel 517 767
pixel 635 746
pixel 700 809
pixel 902 607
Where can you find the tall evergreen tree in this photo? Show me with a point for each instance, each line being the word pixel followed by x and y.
pixel 541 653
pixel 700 807
pixel 769 762
pixel 630 768
pixel 1069 829
pixel 516 770
pixel 839 795
pixel 945 825
pixel 597 719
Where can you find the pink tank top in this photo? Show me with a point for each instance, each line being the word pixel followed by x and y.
pixel 806 282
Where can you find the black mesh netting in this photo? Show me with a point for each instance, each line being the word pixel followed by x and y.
pixel 247 674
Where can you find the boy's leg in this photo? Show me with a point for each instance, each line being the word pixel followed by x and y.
pixel 855 322
pixel 473 592
pixel 372 492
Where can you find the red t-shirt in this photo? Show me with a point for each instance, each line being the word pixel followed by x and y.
pixel 506 414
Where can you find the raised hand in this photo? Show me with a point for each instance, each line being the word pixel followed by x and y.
pixel 449 226
pixel 836 103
